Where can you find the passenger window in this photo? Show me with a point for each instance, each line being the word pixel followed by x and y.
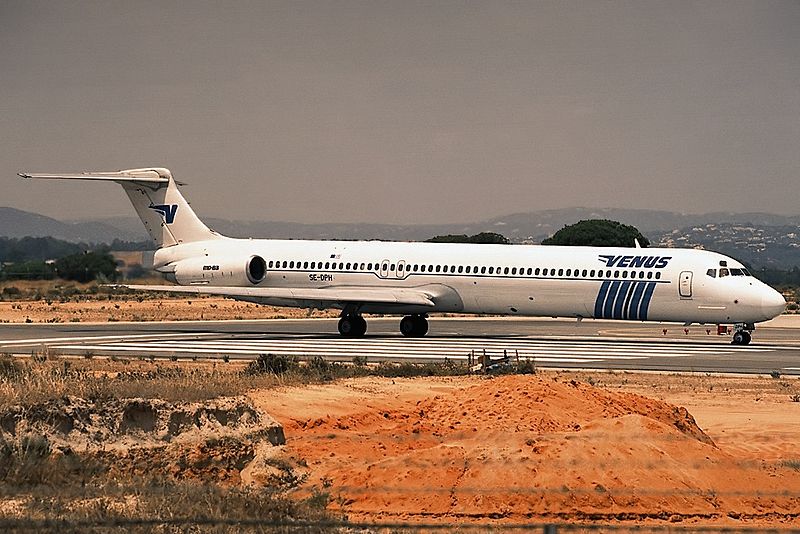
pixel 608 274
pixel 348 266
pixel 712 273
pixel 530 271
pixel 385 267
pixel 537 271
pixel 585 273
pixel 270 264
pixel 513 270
pixel 491 270
pixel 483 270
pixel 658 275
pixel 649 275
pixel 452 268
pixel 391 268
pixel 569 272
pixel 285 264
pixel 561 272
pixel 362 266
pixel 616 274
pixel 327 264
pixel 724 272
pixel 624 274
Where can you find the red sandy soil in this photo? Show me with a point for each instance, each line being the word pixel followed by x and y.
pixel 531 448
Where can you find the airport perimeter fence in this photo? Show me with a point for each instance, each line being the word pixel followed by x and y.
pixel 299 527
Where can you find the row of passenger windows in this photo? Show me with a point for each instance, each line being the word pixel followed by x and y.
pixel 461 269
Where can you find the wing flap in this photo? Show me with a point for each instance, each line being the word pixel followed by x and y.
pixel 382 295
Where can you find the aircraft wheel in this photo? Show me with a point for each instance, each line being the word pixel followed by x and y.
pixel 362 326
pixel 414 326
pixel 422 326
pixel 407 326
pixel 739 338
pixel 352 326
pixel 746 337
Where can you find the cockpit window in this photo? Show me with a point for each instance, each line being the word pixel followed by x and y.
pixel 724 272
pixel 746 272
pixel 712 273
pixel 737 272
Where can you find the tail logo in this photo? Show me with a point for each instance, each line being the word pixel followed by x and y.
pixel 167 211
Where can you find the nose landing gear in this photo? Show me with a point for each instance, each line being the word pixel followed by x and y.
pixel 741 334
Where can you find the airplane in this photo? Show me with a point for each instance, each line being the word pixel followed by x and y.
pixel 417 279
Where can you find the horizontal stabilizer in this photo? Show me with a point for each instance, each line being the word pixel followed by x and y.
pixel 154 175
pixel 372 295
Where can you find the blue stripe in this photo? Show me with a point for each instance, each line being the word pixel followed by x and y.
pixel 601 297
pixel 620 300
pixel 637 298
pixel 608 306
pixel 645 306
pixel 626 308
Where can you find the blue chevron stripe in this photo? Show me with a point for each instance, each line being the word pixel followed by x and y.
pixel 620 300
pixel 636 300
pixel 601 298
pixel 645 304
pixel 608 307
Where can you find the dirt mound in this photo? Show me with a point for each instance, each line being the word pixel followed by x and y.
pixel 521 448
pixel 82 424
pixel 210 441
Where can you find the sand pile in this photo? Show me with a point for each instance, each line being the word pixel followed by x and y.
pixel 210 441
pixel 522 448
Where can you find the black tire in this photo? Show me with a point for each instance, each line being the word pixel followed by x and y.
pixel 422 326
pixel 361 324
pixel 747 337
pixel 352 326
pixel 408 326
pixel 738 338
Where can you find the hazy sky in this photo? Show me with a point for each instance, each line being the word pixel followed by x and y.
pixel 404 112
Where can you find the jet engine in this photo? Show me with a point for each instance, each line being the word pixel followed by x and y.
pixel 222 271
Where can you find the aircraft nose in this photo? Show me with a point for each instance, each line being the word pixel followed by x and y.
pixel 772 303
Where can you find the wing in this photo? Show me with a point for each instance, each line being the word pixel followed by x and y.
pixel 344 294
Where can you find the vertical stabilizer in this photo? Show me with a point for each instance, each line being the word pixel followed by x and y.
pixel 154 194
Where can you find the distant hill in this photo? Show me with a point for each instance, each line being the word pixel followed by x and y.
pixel 530 227
pixel 762 239
pixel 18 223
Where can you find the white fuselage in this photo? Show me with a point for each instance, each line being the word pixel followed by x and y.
pixel 654 284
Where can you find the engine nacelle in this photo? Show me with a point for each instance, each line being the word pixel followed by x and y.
pixel 234 271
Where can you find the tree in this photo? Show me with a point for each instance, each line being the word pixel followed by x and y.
pixel 481 238
pixel 598 233
pixel 87 267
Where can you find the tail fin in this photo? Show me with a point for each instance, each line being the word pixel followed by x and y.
pixel 154 194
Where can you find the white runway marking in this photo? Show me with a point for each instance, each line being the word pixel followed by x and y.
pixel 543 351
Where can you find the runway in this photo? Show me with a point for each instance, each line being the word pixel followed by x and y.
pixel 549 343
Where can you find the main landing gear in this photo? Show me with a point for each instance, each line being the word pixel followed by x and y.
pixel 741 334
pixel 414 326
pixel 352 325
